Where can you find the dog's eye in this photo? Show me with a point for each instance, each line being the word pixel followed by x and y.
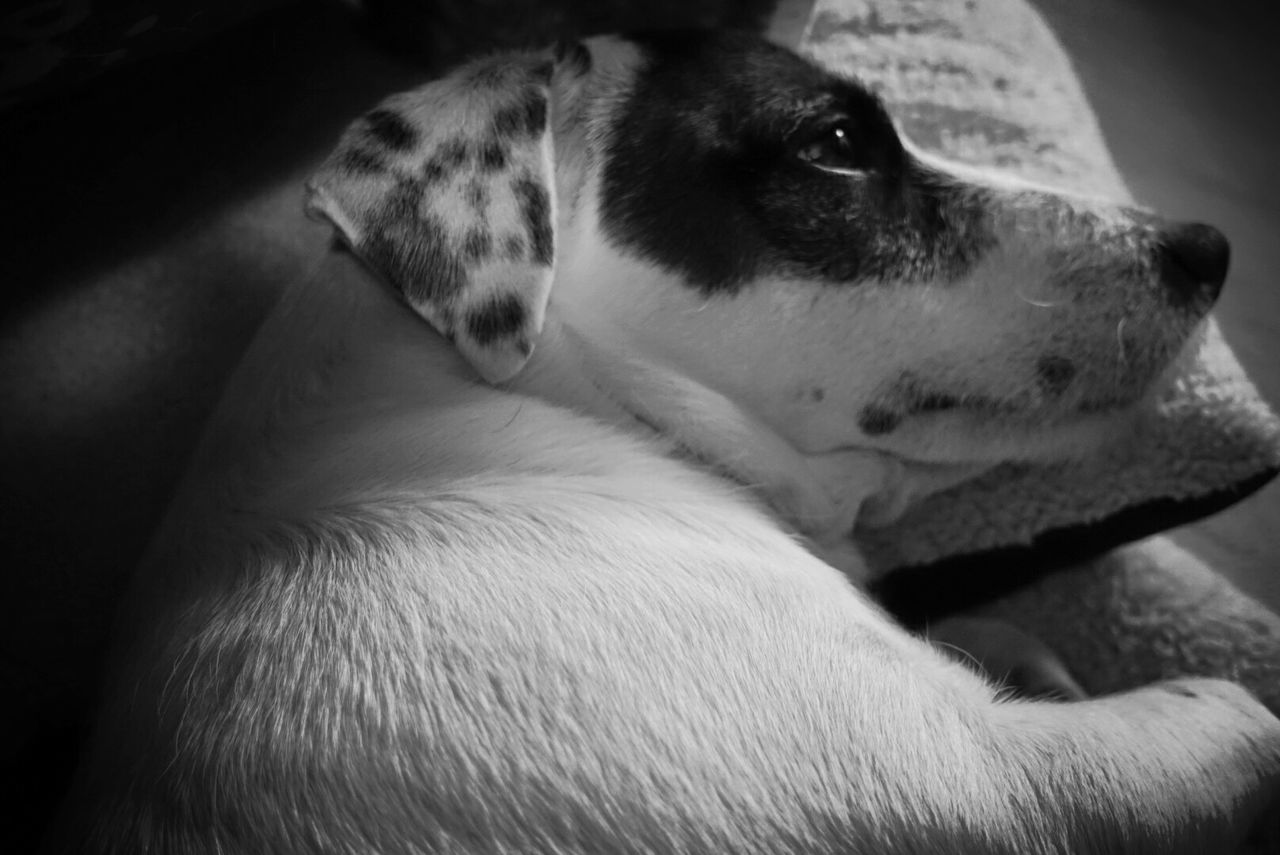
pixel 832 149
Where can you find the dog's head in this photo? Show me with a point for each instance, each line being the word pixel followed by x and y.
pixel 755 222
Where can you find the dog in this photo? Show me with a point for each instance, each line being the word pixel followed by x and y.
pixel 524 524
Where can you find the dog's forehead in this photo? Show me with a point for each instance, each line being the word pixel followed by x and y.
pixel 702 174
pixel 741 79
pixel 731 60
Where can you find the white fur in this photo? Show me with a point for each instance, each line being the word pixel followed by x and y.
pixel 396 609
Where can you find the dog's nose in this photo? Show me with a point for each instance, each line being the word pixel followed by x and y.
pixel 1193 261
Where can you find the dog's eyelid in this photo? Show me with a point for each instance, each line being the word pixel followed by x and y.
pixel 832 147
pixel 843 170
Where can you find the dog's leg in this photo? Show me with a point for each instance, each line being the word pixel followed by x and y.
pixel 391 680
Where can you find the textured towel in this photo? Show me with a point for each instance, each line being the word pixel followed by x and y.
pixel 985 81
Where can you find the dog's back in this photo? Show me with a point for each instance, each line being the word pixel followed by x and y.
pixel 372 630
pixel 387 633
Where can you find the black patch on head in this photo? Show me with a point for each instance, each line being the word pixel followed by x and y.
pixel 477 245
pixel 1054 374
pixel 391 129
pixel 409 247
pixel 493 157
pixel 362 161
pixel 501 317
pixel 574 57
pixel 878 421
pixel 703 174
pixel 535 206
pixel 526 118
pixel 1180 691
pixel 543 70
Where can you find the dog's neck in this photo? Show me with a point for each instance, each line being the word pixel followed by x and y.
pixel 820 496
pixel 590 357
pixel 342 336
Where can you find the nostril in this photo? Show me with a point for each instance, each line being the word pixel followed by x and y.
pixel 1193 260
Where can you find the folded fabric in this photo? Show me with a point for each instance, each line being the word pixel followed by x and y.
pixel 986 82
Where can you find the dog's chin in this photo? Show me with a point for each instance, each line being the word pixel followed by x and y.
pixel 1148 397
pixel 981 432
pixel 966 437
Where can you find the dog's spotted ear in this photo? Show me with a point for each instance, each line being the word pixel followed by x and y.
pixel 448 192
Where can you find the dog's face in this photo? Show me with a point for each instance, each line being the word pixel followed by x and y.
pixel 723 206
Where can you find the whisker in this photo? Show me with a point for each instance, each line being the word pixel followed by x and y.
pixel 1039 304
pixel 963 655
